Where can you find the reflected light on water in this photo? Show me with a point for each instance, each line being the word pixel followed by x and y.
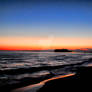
pixel 35 87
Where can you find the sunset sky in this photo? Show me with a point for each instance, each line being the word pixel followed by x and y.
pixel 45 24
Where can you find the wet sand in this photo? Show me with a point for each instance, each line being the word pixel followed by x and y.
pixel 36 87
pixel 81 81
pixel 81 74
pixel 71 82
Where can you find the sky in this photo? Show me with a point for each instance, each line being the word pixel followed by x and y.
pixel 45 24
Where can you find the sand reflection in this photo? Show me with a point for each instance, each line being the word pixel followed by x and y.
pixel 35 87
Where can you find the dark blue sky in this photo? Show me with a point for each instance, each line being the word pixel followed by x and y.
pixel 61 18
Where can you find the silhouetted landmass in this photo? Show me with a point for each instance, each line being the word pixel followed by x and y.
pixel 62 50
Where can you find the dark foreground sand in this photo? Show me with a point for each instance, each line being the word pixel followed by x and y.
pixel 36 87
pixel 81 81
pixel 83 74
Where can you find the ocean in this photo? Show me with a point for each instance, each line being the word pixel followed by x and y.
pixel 20 67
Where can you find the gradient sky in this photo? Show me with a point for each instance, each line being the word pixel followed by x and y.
pixel 45 24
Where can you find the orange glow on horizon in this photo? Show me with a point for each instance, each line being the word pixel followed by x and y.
pixel 41 48
pixel 43 43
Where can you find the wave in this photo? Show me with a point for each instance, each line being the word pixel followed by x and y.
pixel 35 69
pixel 12 83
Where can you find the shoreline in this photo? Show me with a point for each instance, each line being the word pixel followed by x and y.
pixel 36 87
pixel 80 79
pixel 29 82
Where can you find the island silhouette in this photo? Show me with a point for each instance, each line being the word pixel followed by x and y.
pixel 62 50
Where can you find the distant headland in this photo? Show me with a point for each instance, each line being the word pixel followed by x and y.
pixel 62 50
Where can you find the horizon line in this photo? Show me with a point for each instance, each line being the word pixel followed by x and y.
pixel 42 49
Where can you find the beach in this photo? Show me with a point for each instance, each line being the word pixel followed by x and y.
pixel 70 82
pixel 23 71
pixel 45 45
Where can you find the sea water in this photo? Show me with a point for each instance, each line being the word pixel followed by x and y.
pixel 17 65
